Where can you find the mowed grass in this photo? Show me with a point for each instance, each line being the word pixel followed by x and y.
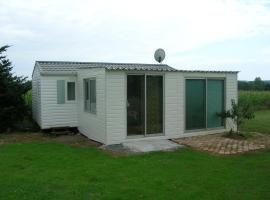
pixel 46 170
pixel 261 122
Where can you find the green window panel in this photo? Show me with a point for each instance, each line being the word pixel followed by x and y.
pixel 71 91
pixel 90 97
pixel 215 102
pixel 60 91
pixel 86 95
pixel 93 102
pixel 195 104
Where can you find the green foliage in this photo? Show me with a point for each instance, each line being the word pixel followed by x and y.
pixel 239 113
pixel 27 97
pixel 12 89
pixel 258 99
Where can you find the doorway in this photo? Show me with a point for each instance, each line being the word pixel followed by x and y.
pixel 145 105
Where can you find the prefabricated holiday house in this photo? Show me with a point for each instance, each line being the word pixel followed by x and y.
pixel 117 102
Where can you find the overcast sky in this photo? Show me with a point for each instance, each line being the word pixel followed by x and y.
pixel 202 34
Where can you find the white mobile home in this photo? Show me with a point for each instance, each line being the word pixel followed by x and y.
pixel 116 102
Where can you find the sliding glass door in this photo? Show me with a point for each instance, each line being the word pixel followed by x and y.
pixel 144 104
pixel 136 105
pixel 204 100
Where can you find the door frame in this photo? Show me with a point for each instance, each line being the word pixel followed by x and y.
pixel 145 74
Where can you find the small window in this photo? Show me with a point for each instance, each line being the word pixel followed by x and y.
pixel 71 91
pixel 93 96
pixel 60 91
pixel 86 95
pixel 90 95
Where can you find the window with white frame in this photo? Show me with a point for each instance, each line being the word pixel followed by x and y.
pixel 90 95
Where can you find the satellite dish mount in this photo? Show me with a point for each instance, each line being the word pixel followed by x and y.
pixel 159 55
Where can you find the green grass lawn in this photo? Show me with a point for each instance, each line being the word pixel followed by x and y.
pixel 261 122
pixel 46 170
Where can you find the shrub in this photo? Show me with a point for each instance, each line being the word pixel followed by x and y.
pixel 238 113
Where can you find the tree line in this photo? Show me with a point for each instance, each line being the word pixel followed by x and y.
pixel 257 85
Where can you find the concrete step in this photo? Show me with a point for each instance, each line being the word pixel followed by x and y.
pixel 143 146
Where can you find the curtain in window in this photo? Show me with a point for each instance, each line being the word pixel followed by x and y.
pixel 195 104
pixel 204 100
pixel 60 91
pixel 215 102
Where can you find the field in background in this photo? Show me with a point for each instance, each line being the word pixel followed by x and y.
pixel 259 99
pixel 260 124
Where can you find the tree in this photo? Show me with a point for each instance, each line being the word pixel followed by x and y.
pixel 239 114
pixel 258 84
pixel 12 89
pixel 267 85
pixel 243 85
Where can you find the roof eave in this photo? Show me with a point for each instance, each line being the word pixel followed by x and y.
pixel 62 73
pixel 154 70
pixel 202 71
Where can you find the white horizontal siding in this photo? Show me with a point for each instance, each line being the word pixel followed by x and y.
pixel 116 106
pixel 231 93
pixel 36 97
pixel 92 125
pixel 53 114
pixel 173 104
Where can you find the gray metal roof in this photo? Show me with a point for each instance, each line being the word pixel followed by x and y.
pixel 207 71
pixel 61 66
pixel 55 67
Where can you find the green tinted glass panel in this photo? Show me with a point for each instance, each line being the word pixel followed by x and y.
pixel 71 91
pixel 86 95
pixel 215 102
pixel 195 104
pixel 93 97
pixel 60 91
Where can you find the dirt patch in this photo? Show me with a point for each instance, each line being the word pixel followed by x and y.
pixel 74 140
pixel 22 137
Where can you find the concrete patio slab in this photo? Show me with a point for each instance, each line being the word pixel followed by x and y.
pixel 144 146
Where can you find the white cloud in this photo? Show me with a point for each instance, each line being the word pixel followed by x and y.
pixel 125 31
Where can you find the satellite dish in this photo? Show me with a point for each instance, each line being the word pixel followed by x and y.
pixel 159 55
